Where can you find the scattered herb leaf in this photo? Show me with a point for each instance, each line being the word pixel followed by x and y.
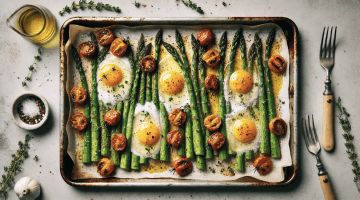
pixel 36 158
pixel 31 68
pixel 14 166
pixel 192 5
pixel 83 4
pixel 223 3
pixel 170 99
pixel 345 124
pixel 137 4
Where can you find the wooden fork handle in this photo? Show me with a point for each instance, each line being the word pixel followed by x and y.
pixel 326 187
pixel 327 138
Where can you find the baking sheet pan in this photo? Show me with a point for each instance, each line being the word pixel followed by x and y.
pixel 290 31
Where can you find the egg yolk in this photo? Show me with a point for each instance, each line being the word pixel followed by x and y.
pixel 171 82
pixel 110 75
pixel 241 81
pixel 244 130
pixel 148 133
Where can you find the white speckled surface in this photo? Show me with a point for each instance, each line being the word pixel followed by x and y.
pixel 310 16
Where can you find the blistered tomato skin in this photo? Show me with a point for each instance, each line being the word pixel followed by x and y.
pixel 278 126
pixel 205 37
pixel 79 121
pixel 211 58
pixel 105 36
pixel 87 49
pixel 148 64
pixel 216 140
pixel 177 117
pixel 78 95
pixel 212 83
pixel 105 167
pixel 277 64
pixel 263 165
pixel 212 122
pixel 174 138
pixel 118 142
pixel 183 166
pixel 118 47
pixel 112 117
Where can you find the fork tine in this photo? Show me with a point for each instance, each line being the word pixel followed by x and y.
pixel 333 49
pixel 305 134
pixel 310 131
pixel 316 138
pixel 325 42
pixel 329 51
pixel 321 45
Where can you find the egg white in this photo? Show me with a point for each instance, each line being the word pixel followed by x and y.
pixel 239 101
pixel 117 93
pixel 177 100
pixel 144 114
pixel 236 145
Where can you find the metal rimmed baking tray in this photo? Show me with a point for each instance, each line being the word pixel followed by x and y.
pixel 66 163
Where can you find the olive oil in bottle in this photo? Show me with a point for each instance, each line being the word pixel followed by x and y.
pixel 31 22
pixel 35 23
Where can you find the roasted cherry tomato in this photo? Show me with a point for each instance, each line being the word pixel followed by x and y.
pixel 148 64
pixel 118 142
pixel 277 64
pixel 212 58
pixel 78 121
pixel 212 122
pixel 112 117
pixel 216 140
pixel 263 165
pixel 212 83
pixel 118 47
pixel 105 36
pixel 87 49
pixel 205 37
pixel 78 95
pixel 174 138
pixel 105 167
pixel 278 126
pixel 183 166
pixel 177 117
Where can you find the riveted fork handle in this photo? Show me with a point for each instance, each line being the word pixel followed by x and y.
pixel 327 138
pixel 326 187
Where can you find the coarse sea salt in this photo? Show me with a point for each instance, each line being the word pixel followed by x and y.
pixel 29 107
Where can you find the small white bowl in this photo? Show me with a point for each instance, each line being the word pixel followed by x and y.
pixel 16 117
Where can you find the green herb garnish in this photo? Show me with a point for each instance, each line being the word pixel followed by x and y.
pixel 14 166
pixel 83 4
pixel 31 68
pixel 223 3
pixel 36 158
pixel 137 4
pixel 345 124
pixel 170 99
pixel 148 150
pixel 192 5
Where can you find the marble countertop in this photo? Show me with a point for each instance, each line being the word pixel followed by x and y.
pixel 309 16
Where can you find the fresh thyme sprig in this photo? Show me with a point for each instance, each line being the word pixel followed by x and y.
pixel 31 68
pixel 14 166
pixel 192 5
pixel 345 124
pixel 83 4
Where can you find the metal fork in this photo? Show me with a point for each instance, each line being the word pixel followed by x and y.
pixel 313 145
pixel 327 60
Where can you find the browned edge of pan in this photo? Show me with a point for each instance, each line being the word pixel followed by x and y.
pixel 291 31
